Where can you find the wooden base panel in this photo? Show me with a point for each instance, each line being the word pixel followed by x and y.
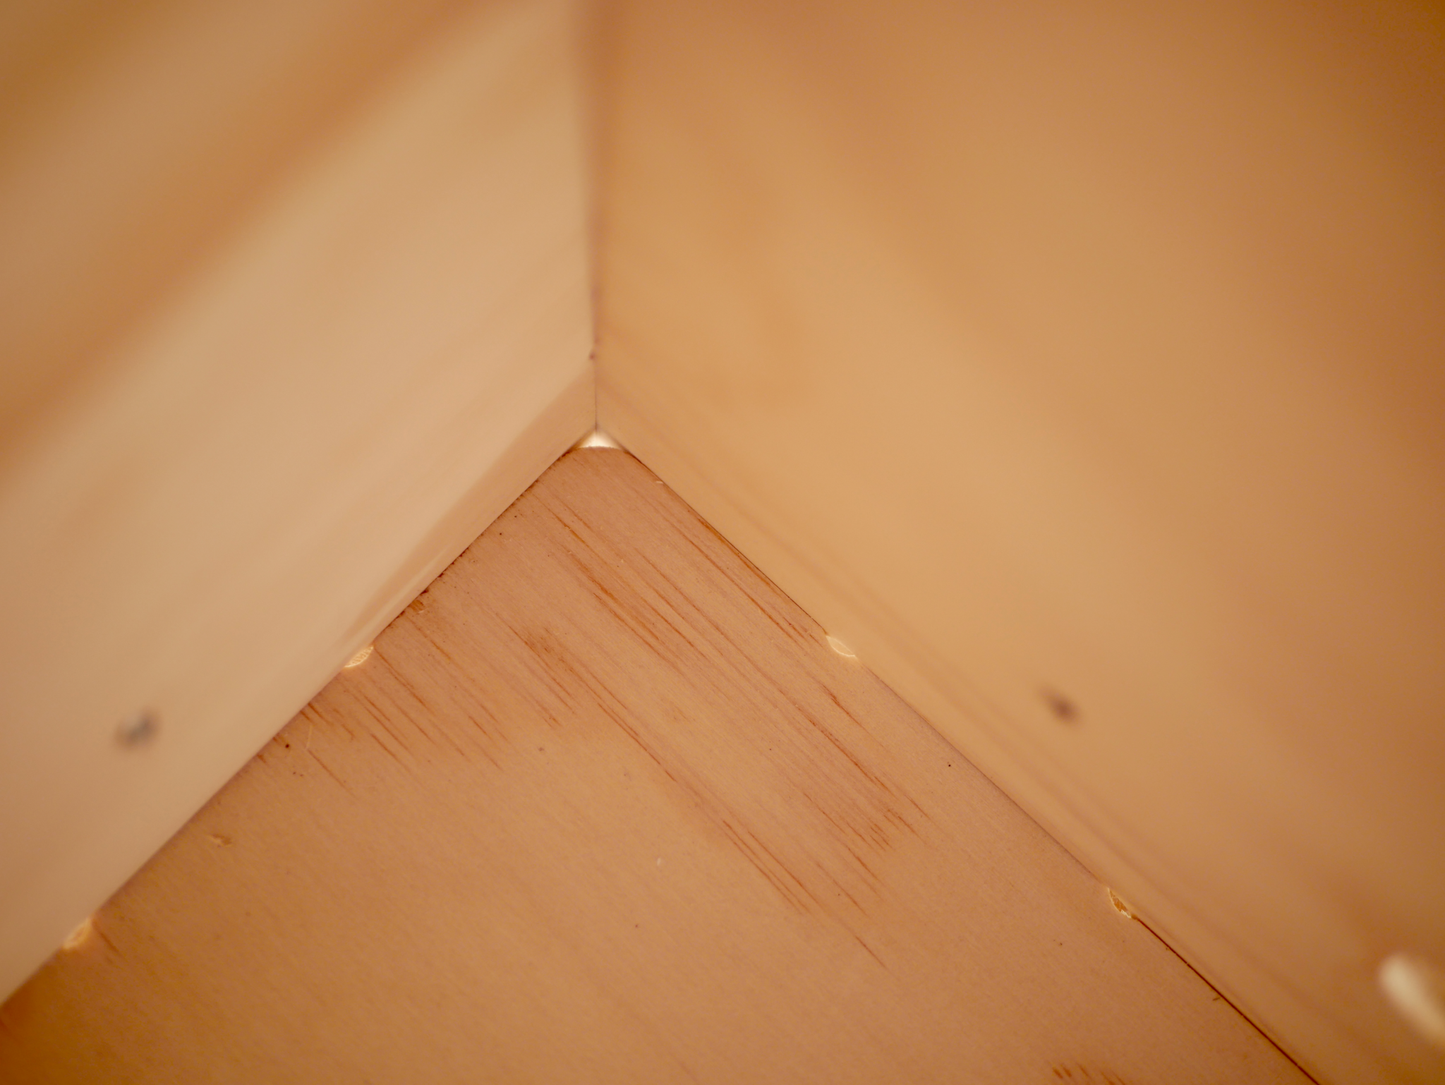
pixel 605 805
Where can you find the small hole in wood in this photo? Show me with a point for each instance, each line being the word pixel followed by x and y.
pixel 1416 989
pixel 1064 710
pixel 598 439
pixel 78 937
pixel 137 730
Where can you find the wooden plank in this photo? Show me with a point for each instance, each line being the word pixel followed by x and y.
pixel 1081 369
pixel 383 355
pixel 604 805
pixel 134 138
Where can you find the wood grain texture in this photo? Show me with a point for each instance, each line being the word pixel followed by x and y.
pixel 385 352
pixel 602 805
pixel 1081 369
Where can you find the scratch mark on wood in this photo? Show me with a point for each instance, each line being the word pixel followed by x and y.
pixel 1065 1072
pixel 783 890
pixel 327 769
pixel 387 750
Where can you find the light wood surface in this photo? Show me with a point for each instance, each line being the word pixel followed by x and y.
pixel 295 437
pixel 135 137
pixel 1081 369
pixel 604 805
